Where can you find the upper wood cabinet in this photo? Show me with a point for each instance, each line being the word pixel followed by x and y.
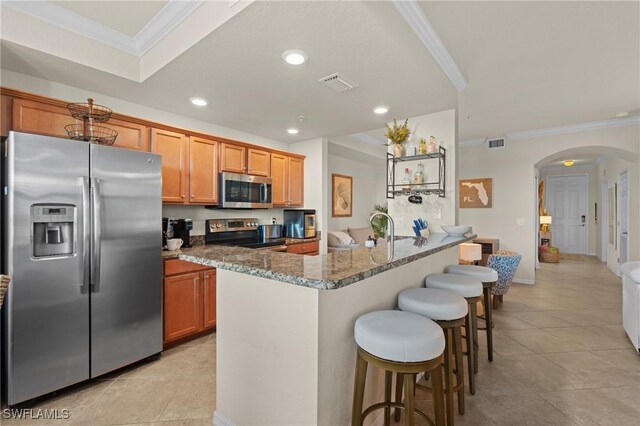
pixel 174 149
pixel 203 171
pixel 6 114
pixel 258 162
pixel 287 179
pixel 41 118
pixel 296 181
pixel 232 158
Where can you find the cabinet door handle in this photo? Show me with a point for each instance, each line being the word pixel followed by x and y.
pixel 192 196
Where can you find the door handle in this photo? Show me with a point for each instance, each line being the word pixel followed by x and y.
pixel 96 235
pixel 86 235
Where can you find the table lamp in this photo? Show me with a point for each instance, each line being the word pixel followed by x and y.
pixel 469 253
pixel 545 221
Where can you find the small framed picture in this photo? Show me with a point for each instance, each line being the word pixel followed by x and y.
pixel 341 195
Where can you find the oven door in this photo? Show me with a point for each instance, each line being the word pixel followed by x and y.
pixel 244 191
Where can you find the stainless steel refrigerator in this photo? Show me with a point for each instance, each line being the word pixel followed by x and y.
pixel 81 242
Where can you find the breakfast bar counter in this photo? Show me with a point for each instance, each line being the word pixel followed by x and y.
pixel 284 347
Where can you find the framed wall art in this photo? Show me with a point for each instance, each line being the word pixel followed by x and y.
pixel 341 195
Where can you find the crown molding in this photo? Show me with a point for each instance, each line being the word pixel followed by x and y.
pixel 170 16
pixel 417 20
pixel 562 130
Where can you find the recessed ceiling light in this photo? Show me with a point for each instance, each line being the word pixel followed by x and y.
pixel 568 163
pixel 199 101
pixel 294 57
pixel 293 131
pixel 381 109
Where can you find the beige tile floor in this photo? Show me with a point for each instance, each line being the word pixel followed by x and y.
pixel 561 357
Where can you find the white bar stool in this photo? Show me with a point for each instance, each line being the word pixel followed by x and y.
pixel 471 290
pixel 488 277
pixel 448 310
pixel 404 343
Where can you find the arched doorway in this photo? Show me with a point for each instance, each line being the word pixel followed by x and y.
pixel 589 202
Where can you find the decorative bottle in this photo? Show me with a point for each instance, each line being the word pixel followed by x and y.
pixel 422 148
pixel 433 146
pixel 406 182
pixel 418 176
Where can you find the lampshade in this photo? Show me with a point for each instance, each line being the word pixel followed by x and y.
pixel 470 251
pixel 545 219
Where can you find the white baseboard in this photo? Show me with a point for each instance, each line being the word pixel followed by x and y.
pixel 524 281
pixel 592 254
pixel 221 420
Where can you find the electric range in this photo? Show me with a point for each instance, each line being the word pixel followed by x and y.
pixel 237 233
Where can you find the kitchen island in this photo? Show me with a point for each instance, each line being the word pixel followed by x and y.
pixel 285 348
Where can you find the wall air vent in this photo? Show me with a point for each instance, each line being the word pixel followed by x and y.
pixel 496 143
pixel 337 82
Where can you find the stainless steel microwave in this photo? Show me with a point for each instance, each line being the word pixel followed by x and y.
pixel 239 191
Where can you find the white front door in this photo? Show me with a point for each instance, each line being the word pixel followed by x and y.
pixel 623 217
pixel 566 201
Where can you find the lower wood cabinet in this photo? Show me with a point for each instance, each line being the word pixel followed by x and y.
pixel 189 299
pixel 309 248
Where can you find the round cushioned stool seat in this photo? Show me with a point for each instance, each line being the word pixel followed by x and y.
pixel 481 273
pixel 462 285
pixel 439 305
pixel 399 336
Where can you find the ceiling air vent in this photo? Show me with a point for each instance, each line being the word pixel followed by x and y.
pixel 337 82
pixel 496 143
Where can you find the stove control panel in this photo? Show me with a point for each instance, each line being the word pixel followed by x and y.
pixel 226 225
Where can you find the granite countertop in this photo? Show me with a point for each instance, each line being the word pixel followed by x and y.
pixel 328 271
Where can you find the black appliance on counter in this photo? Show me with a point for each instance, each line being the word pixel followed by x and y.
pixel 182 229
pixel 238 233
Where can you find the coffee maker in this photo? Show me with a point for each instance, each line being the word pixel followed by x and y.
pixel 182 229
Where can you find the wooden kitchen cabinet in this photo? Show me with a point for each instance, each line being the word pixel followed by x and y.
pixel 309 248
pixel 258 162
pixel 203 171
pixel 296 182
pixel 50 120
pixel 174 149
pixel 6 114
pixel 189 299
pixel 209 299
pixel 232 158
pixel 182 306
pixel 287 180
pixel 41 118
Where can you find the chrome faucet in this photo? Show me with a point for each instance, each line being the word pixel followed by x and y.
pixel 390 234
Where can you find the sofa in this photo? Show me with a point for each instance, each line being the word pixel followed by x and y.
pixel 349 239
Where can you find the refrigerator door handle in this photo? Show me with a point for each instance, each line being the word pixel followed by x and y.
pixel 96 235
pixel 86 235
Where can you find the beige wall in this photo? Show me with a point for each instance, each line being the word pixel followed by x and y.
pixel 592 196
pixel 443 126
pixel 608 172
pixel 368 190
pixel 515 189
pixel 316 181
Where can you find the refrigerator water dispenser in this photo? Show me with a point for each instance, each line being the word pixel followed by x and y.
pixel 53 230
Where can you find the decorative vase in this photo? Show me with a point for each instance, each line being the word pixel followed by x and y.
pixel 398 150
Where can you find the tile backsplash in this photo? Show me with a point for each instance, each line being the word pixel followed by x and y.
pixel 199 214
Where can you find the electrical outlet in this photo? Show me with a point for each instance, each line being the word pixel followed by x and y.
pixel 520 221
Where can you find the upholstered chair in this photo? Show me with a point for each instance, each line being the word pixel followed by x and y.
pixel 505 263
